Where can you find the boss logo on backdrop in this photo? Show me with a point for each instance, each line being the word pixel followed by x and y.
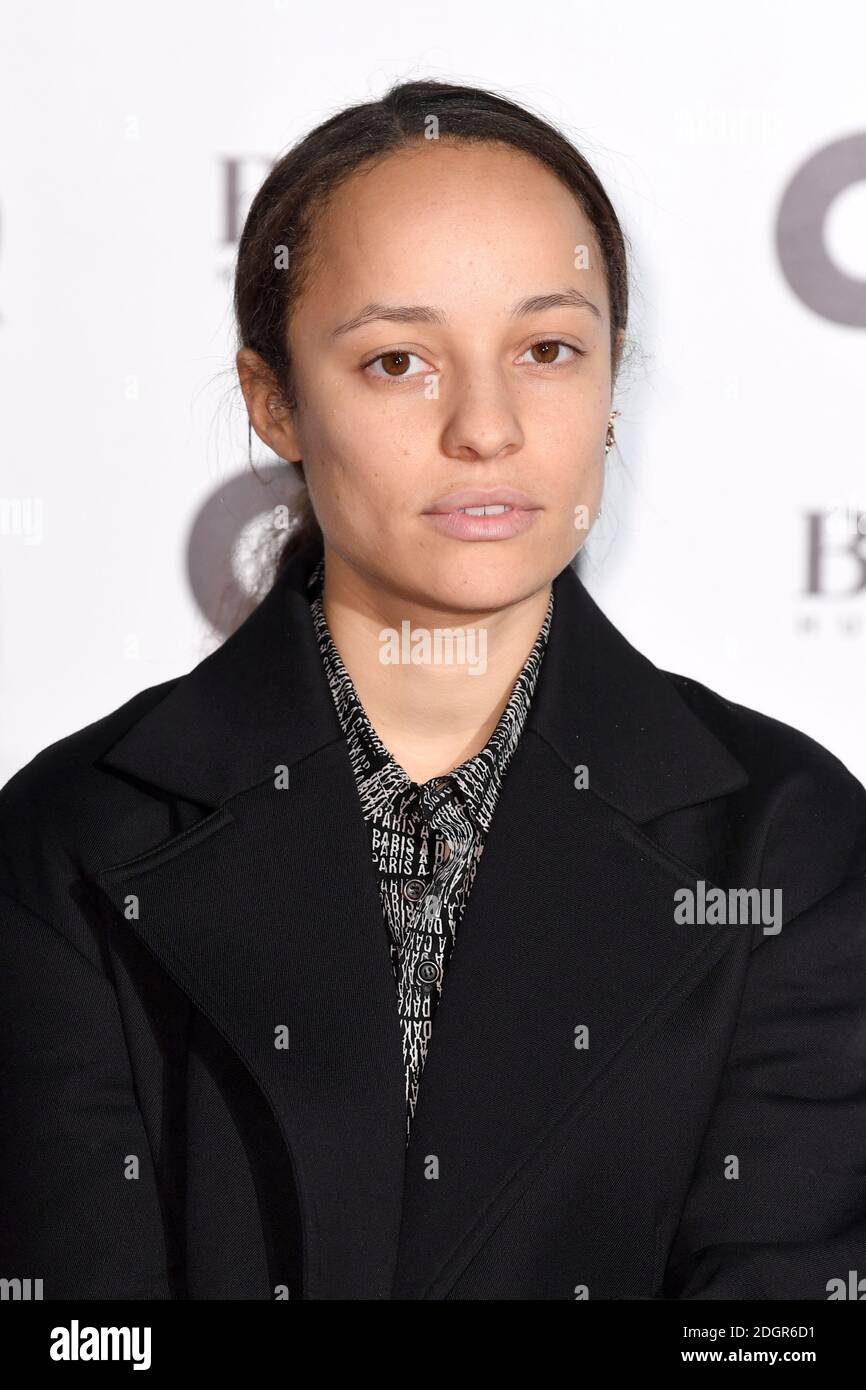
pixel 836 551
pixel 240 178
pixel 834 571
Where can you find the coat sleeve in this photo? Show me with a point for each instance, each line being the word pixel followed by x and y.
pixel 777 1203
pixel 79 1206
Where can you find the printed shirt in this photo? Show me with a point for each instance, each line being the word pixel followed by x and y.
pixel 427 838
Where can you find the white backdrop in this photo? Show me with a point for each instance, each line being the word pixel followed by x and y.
pixel 732 141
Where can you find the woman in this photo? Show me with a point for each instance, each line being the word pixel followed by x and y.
pixel 425 940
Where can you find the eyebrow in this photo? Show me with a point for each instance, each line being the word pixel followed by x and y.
pixel 424 313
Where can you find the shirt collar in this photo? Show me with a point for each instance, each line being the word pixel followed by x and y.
pixel 473 786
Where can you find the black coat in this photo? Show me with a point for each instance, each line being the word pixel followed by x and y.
pixel 167 911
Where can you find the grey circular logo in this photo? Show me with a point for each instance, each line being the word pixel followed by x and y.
pixel 211 550
pixel 802 250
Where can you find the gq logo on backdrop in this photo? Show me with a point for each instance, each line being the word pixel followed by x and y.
pixel 800 241
pixel 224 540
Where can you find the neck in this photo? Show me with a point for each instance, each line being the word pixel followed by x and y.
pixel 440 709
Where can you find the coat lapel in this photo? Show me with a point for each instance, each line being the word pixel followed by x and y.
pixel 267 914
pixel 569 926
pixel 279 940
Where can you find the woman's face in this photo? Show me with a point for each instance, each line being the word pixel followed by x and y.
pixel 421 371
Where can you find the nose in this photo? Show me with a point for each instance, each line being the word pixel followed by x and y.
pixel 482 420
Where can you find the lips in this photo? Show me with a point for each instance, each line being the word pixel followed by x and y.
pixel 502 524
pixel 509 497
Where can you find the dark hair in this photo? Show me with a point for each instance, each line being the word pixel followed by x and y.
pixel 296 190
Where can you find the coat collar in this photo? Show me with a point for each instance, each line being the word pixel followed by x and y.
pixel 262 699
pixel 267 914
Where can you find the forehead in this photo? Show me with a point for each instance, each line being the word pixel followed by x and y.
pixel 451 225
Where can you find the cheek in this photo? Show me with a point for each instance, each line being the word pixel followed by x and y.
pixel 365 465
pixel 571 457
pixel 573 474
pixel 571 421
pixel 586 499
pixel 353 493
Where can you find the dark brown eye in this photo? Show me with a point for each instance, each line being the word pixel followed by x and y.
pixel 399 359
pixel 548 351
pixel 395 365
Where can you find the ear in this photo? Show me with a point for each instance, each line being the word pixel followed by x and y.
pixel 270 417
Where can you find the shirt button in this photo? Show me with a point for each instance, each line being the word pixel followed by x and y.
pixel 414 889
pixel 426 973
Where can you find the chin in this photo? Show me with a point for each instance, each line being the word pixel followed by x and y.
pixel 476 582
